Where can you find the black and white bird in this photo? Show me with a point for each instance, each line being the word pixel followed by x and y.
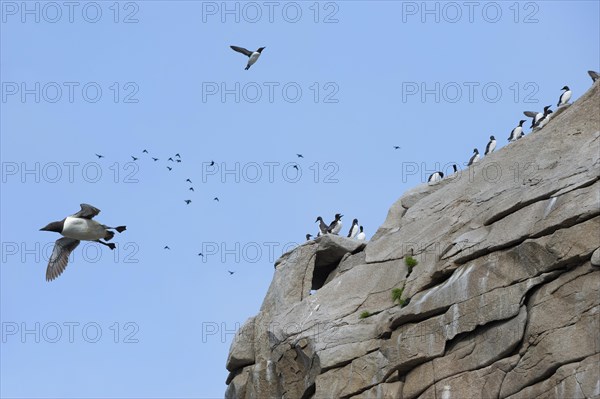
pixel 76 228
pixel 455 168
pixel 474 158
pixel 353 229
pixel 434 177
pixel 491 146
pixel 539 118
pixel 336 225
pixel 361 236
pixel 308 237
pixel 252 55
pixel 517 132
pixel 594 75
pixel 322 226
pixel 564 97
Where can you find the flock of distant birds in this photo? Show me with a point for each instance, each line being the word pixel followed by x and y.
pixel 81 226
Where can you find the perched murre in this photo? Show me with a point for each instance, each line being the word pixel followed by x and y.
pixel 455 168
pixel 308 237
pixel 252 55
pixel 517 132
pixel 564 97
pixel 538 117
pixel 353 229
pixel 474 158
pixel 436 176
pixel 361 236
pixel 336 225
pixel 491 146
pixel 76 228
pixel 322 226
pixel 594 75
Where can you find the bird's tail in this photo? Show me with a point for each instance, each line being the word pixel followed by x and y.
pixel 109 235
pixel 121 229
pixel 247 67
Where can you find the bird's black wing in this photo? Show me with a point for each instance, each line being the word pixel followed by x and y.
pixel 242 50
pixel 530 114
pixel 594 75
pixel 87 212
pixel 60 257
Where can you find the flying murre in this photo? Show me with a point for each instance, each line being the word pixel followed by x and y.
pixel 252 55
pixel 76 228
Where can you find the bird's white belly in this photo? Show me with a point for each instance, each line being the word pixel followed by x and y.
pixel 253 58
pixel 337 228
pixel 83 229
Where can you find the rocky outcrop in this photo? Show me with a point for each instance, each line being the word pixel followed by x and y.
pixel 504 301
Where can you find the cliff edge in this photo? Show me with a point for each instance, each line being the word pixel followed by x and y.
pixel 503 301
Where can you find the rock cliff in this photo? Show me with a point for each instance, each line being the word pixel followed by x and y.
pixel 503 301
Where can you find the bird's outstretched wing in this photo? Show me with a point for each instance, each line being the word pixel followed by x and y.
pixel 530 114
pixel 242 50
pixel 87 211
pixel 60 257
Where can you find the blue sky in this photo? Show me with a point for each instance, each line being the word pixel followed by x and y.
pixel 347 80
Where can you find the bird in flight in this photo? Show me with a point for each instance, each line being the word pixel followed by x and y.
pixel 155 159
pixel 99 156
pixel 201 254
pixel 145 151
pixel 170 168
pixel 230 272
pixel 170 159
pixel 216 199
pixel 177 155
pixel 188 180
pixel 300 155
pixel 74 229
pixel 212 163
pixel 252 55
pixel 167 247
pixel 188 201
pixel 396 147
pixel 134 158
pixel 191 188
pixel 178 160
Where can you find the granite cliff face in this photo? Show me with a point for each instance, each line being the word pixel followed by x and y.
pixel 503 303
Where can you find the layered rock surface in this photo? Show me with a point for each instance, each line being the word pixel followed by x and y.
pixel 503 303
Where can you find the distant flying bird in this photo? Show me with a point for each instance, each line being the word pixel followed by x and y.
pixel 155 159
pixel 295 167
pixel 146 151
pixel 396 147
pixel 178 160
pixel 564 97
pixel 201 254
pixel 188 180
pixel 99 156
pixel 170 168
pixel 74 229
pixel 252 55
pixel 594 75
pixel 191 188
pixel 517 132
pixel 435 177
pixel 167 247
pixel 299 155
pixel 336 225
pixel 212 163
pixel 474 158
pixel 170 159
pixel 188 201
pixel 177 155
pixel 134 158
pixel 230 272
pixel 491 146
pixel 216 199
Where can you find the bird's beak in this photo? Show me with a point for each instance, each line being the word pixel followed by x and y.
pixel 44 228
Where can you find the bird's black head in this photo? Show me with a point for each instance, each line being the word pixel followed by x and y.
pixel 319 218
pixel 338 216
pixel 475 151
pixel 547 107
pixel 566 88
pixel 361 229
pixel 54 226
pixel 308 237
pixel 355 221
pixel 455 168
pixel 521 122
pixel 260 49
pixel 492 138
pixel 441 174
